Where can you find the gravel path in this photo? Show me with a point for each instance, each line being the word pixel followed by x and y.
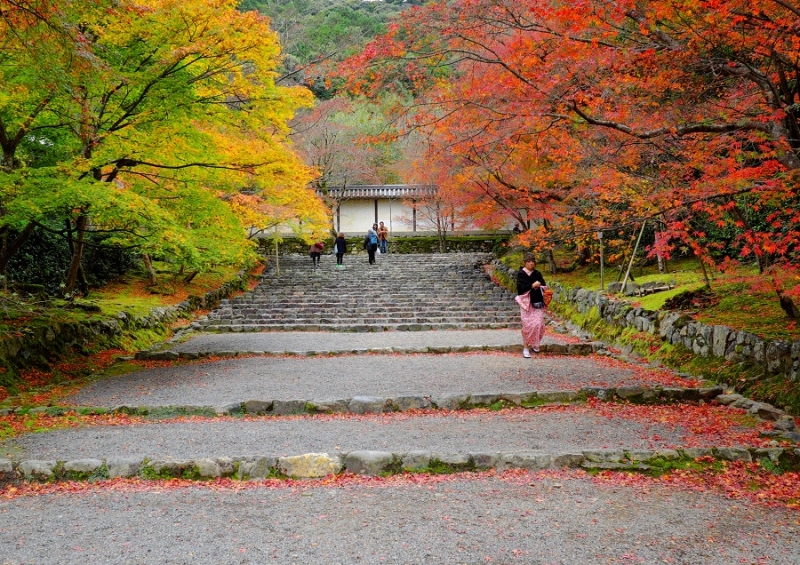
pixel 279 342
pixel 236 380
pixel 533 519
pixel 462 432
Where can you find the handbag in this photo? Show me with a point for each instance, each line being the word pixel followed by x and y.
pixel 524 300
pixel 548 296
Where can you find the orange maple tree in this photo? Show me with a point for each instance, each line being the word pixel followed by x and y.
pixel 595 115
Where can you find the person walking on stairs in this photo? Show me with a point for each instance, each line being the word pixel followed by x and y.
pixel 315 251
pixel 371 243
pixel 383 238
pixel 340 248
pixel 530 283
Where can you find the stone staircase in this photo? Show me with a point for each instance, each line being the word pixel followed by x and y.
pixel 401 292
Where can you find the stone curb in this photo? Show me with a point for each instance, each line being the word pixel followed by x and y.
pixel 462 401
pixel 379 463
pixel 551 349
pixel 785 426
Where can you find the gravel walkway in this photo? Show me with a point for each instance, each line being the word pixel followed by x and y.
pixel 462 432
pixel 279 342
pixel 533 519
pixel 236 380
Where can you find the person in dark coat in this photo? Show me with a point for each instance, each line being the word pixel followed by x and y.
pixel 530 283
pixel 315 251
pixel 371 243
pixel 340 248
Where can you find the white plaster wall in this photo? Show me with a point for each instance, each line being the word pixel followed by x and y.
pixel 358 215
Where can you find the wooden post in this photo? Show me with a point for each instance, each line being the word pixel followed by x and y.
pixel 633 256
pixel 600 237
pixel 277 260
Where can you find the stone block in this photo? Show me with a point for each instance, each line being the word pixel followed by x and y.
pixel 579 349
pixel 36 470
pixel 123 466
pixel 766 411
pixel 672 393
pixel 405 403
pixel 226 466
pixel 256 468
pixel 257 407
pixel 641 454
pixel 162 355
pixel 450 401
pixel 455 460
pixel 512 398
pixel 726 399
pixel 287 407
pixel 6 466
pixel 710 392
pixel 633 393
pixel 570 459
pixel 771 453
pixel 720 340
pixel 368 462
pixel 531 460
pixel 734 454
pixel 483 399
pixel 83 466
pixel 785 423
pixel 228 409
pixel 556 396
pixel 367 405
pixel 207 468
pixel 777 356
pixel 601 455
pixel 697 452
pixel 484 460
pixel 169 467
pixel 328 406
pixel 310 465
pixel 416 460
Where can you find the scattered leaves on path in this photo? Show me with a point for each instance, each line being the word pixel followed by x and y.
pixel 732 480
pixel 700 425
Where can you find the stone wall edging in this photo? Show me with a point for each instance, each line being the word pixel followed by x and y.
pixel 373 463
pixel 38 345
pixel 775 356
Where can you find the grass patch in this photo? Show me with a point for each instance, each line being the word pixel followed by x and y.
pixel 169 412
pixel 746 299
pixel 660 466
pixel 438 467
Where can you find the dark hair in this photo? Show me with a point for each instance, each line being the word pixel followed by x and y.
pixel 529 257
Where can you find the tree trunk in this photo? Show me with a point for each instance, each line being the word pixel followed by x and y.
pixel 191 276
pixel 705 273
pixel 551 261
pixel 77 253
pixel 151 272
pixel 788 306
pixel 8 250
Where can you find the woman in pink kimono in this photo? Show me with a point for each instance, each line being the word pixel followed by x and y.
pixel 531 303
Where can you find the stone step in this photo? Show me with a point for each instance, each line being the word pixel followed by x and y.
pixel 406 293
pixel 337 327
pixel 406 319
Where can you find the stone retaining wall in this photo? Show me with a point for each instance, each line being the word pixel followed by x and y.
pixel 775 357
pixel 39 346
